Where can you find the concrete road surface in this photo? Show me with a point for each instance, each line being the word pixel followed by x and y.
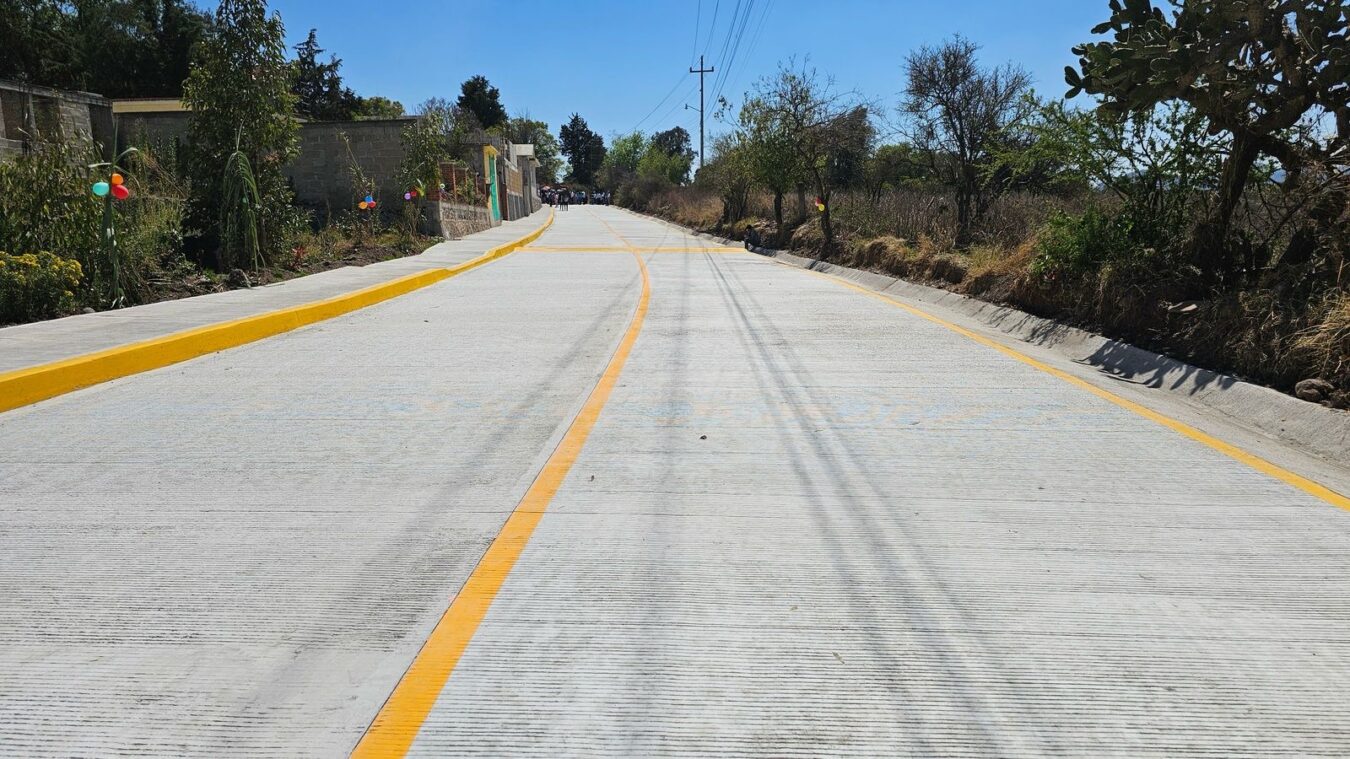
pixel 803 522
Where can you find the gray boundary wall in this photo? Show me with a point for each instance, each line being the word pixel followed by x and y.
pixel 27 110
pixel 322 173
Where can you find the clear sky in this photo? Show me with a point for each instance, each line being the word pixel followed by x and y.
pixel 613 61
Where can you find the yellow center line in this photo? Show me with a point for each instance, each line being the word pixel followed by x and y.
pixel 625 249
pixel 393 730
pixel 1228 449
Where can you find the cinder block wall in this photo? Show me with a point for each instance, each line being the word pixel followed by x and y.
pixel 322 172
pixel 152 128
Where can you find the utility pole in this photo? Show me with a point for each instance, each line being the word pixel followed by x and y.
pixel 700 71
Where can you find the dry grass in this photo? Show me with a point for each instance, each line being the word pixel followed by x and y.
pixel 1262 335
pixel 1326 343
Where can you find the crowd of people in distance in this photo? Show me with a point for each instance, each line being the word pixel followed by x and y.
pixel 561 197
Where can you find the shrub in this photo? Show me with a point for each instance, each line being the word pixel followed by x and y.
pixel 47 206
pixel 37 286
pixel 1076 245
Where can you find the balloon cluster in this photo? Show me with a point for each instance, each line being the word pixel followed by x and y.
pixel 367 204
pixel 116 184
pixel 410 194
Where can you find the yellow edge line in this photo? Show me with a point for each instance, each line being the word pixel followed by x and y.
pixel 399 720
pixel 1255 462
pixel 29 385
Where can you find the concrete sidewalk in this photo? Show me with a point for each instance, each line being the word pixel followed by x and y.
pixel 28 345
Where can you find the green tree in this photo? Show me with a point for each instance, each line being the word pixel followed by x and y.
pixel 240 98
pixel 585 150
pixel 69 45
pixel 484 101
pixel 677 148
pixel 667 168
pixel 523 129
pixel 819 123
pixel 894 167
pixel 957 112
pixel 319 93
pixel 729 173
pixel 620 165
pixel 436 136
pixel 1256 70
pixel 377 107
pixel 769 154
pixel 37 43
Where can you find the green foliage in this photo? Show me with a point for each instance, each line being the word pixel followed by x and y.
pixel 47 204
pixel 637 168
pixel 620 165
pixel 318 88
pixel 150 226
pixel 1250 67
pixel 37 286
pixel 241 100
pixel 676 149
pixel 1075 246
pixel 69 45
pixel 239 215
pixel 957 112
pixel 819 127
pixel 1264 71
pixel 670 168
pixel 895 167
pixel 585 150
pixel 424 148
pixel 524 130
pixel 1160 164
pixel 674 141
pixel 478 97
pixel 377 107
pixel 437 136
pixel 729 174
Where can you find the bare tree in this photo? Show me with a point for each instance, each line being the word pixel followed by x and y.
pixel 818 124
pixel 955 114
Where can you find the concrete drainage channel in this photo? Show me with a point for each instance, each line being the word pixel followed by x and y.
pixel 1313 428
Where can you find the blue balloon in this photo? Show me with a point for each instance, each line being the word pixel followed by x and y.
pixel 101 188
pixel 370 199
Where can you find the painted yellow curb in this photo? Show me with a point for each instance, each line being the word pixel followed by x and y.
pixel 22 387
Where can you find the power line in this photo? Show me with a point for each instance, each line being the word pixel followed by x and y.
pixel 698 21
pixel 731 75
pixel 678 82
pixel 712 27
pixel 739 31
pixel 673 106
pixel 731 32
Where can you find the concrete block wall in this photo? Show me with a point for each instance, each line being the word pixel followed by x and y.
pixel 27 110
pixel 322 172
pixel 152 128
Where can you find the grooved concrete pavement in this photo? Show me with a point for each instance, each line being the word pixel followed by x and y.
pixel 806 524
pixel 240 554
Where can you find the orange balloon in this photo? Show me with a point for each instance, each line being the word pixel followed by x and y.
pixel 117 179
pixel 361 205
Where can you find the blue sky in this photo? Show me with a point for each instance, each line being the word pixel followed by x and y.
pixel 614 60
